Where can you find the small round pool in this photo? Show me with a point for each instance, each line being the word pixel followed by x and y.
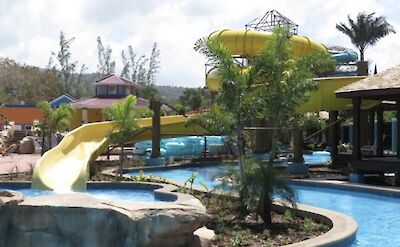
pixel 124 194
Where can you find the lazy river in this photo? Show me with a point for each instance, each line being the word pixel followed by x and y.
pixel 378 216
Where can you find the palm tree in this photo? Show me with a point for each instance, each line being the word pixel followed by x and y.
pixel 54 120
pixel 366 30
pixel 124 116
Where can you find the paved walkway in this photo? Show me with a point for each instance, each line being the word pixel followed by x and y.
pixel 16 163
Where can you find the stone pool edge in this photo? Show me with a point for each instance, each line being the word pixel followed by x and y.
pixel 343 227
pixel 133 213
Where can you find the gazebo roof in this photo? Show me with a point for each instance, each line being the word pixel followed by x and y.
pixel 384 85
pixel 114 80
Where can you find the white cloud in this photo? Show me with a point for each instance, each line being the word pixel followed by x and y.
pixel 30 28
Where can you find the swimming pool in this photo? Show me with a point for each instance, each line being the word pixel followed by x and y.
pixel 108 194
pixel 378 216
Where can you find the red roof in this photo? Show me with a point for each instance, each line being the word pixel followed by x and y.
pixel 115 80
pixel 101 103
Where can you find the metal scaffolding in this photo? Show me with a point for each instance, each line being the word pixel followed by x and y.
pixel 270 20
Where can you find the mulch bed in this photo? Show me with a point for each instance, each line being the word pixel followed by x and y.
pixel 234 227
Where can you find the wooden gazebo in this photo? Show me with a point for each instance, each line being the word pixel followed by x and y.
pixel 384 87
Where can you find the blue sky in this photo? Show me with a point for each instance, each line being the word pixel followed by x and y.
pixel 30 28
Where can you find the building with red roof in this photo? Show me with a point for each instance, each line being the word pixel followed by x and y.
pixel 109 90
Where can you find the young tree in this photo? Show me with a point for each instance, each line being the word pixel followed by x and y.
pixel 54 120
pixel 282 83
pixel 273 86
pixel 366 31
pixel 138 66
pixel 124 116
pixel 67 68
pixel 154 65
pixel 106 65
pixel 234 93
pixel 126 65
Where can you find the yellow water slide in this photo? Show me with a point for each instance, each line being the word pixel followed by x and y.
pixel 65 167
pixel 248 43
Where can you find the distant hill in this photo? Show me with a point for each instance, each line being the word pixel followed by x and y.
pixel 170 92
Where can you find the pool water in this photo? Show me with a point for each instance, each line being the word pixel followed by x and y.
pixel 378 217
pixel 109 194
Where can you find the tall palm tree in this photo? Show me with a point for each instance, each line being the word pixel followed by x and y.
pixel 366 30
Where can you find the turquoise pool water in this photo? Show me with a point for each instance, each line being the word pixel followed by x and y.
pixel 378 216
pixel 110 194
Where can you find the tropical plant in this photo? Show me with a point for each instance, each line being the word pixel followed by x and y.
pixel 232 98
pixel 125 125
pixel 190 181
pixel 264 186
pixel 283 83
pixel 54 120
pixel 366 30
pixel 272 87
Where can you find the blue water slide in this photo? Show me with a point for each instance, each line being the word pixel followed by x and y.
pixel 342 57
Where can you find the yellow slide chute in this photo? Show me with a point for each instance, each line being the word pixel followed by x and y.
pixel 65 167
pixel 247 43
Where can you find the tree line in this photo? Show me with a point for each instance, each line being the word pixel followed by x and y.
pixel 64 74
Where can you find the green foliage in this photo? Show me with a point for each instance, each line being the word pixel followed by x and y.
pixel 24 83
pixel 233 98
pixel 298 124
pixel 147 178
pixel 124 116
pixel 264 185
pixel 139 68
pixel 65 69
pixel 154 65
pixel 242 238
pixel 54 119
pixel 283 83
pixel 366 30
pixel 280 76
pixel 192 97
pixel 216 121
pixel 310 226
pixel 149 92
pixel 180 109
pixel 190 181
pixel 105 64
pixel 204 186
pixel 266 234
pixel 289 215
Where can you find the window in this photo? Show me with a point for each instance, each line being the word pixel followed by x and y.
pixel 112 89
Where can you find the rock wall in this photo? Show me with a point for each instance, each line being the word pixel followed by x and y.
pixel 81 220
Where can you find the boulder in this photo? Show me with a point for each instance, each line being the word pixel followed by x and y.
pixel 82 220
pixel 27 145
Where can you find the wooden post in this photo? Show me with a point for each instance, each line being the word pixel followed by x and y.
pixel 371 127
pixel 156 129
pixel 398 128
pixel 332 133
pixel 356 128
pixel 379 132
